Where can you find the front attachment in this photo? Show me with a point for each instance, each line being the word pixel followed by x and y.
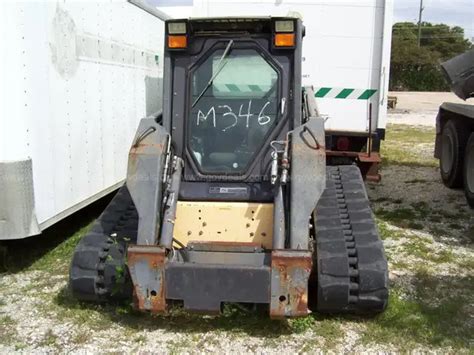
pixel 207 275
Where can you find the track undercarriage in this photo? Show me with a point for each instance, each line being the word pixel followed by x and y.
pixel 349 272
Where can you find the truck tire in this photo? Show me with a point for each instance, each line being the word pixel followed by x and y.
pixel 469 171
pixel 453 141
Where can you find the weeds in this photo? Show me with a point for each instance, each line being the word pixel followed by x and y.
pixel 59 258
pixel 408 322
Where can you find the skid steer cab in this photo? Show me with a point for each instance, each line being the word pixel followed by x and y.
pixel 221 188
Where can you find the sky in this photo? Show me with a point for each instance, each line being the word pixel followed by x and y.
pixel 450 12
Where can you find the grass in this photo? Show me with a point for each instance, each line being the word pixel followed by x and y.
pixel 416 181
pixel 421 249
pixel 234 318
pixel 387 233
pixel 7 330
pixel 53 248
pixel 421 216
pixel 409 323
pixel 403 217
pixel 418 247
pixel 59 258
pixel 466 263
pixel 49 339
pixel 81 337
pixel 397 149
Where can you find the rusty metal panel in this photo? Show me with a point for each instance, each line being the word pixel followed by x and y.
pixel 289 283
pixel 147 269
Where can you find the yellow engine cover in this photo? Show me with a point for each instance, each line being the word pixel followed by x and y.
pixel 224 222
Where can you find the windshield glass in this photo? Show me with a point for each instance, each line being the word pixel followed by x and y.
pixel 231 120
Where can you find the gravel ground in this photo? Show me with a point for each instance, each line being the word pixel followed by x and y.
pixel 420 108
pixel 428 233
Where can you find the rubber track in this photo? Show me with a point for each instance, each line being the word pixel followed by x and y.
pixel 350 265
pixel 98 271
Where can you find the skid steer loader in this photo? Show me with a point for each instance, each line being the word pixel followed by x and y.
pixel 228 198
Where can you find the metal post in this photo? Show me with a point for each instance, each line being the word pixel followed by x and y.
pixel 419 22
pixel 169 215
pixel 369 140
pixel 279 220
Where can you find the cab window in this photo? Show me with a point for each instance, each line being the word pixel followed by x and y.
pixel 233 114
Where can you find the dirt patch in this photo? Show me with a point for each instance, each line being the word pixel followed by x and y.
pixel 414 102
pixel 420 108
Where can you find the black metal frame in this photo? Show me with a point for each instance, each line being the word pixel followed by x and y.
pixel 280 121
pixel 286 60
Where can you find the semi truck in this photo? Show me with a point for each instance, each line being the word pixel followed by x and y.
pixel 454 145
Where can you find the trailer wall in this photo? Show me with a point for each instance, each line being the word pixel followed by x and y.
pixel 76 79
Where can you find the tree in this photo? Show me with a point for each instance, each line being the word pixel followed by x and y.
pixel 418 68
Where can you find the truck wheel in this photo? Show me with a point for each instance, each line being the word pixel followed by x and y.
pixel 453 140
pixel 469 171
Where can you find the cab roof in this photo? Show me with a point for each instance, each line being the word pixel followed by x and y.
pixel 251 24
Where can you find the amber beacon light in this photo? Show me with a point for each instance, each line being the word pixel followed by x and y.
pixel 177 35
pixel 177 41
pixel 284 34
pixel 284 40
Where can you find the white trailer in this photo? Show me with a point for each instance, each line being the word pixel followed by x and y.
pixel 346 58
pixel 76 77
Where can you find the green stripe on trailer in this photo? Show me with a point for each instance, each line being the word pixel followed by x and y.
pixel 367 94
pixel 322 92
pixel 344 93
